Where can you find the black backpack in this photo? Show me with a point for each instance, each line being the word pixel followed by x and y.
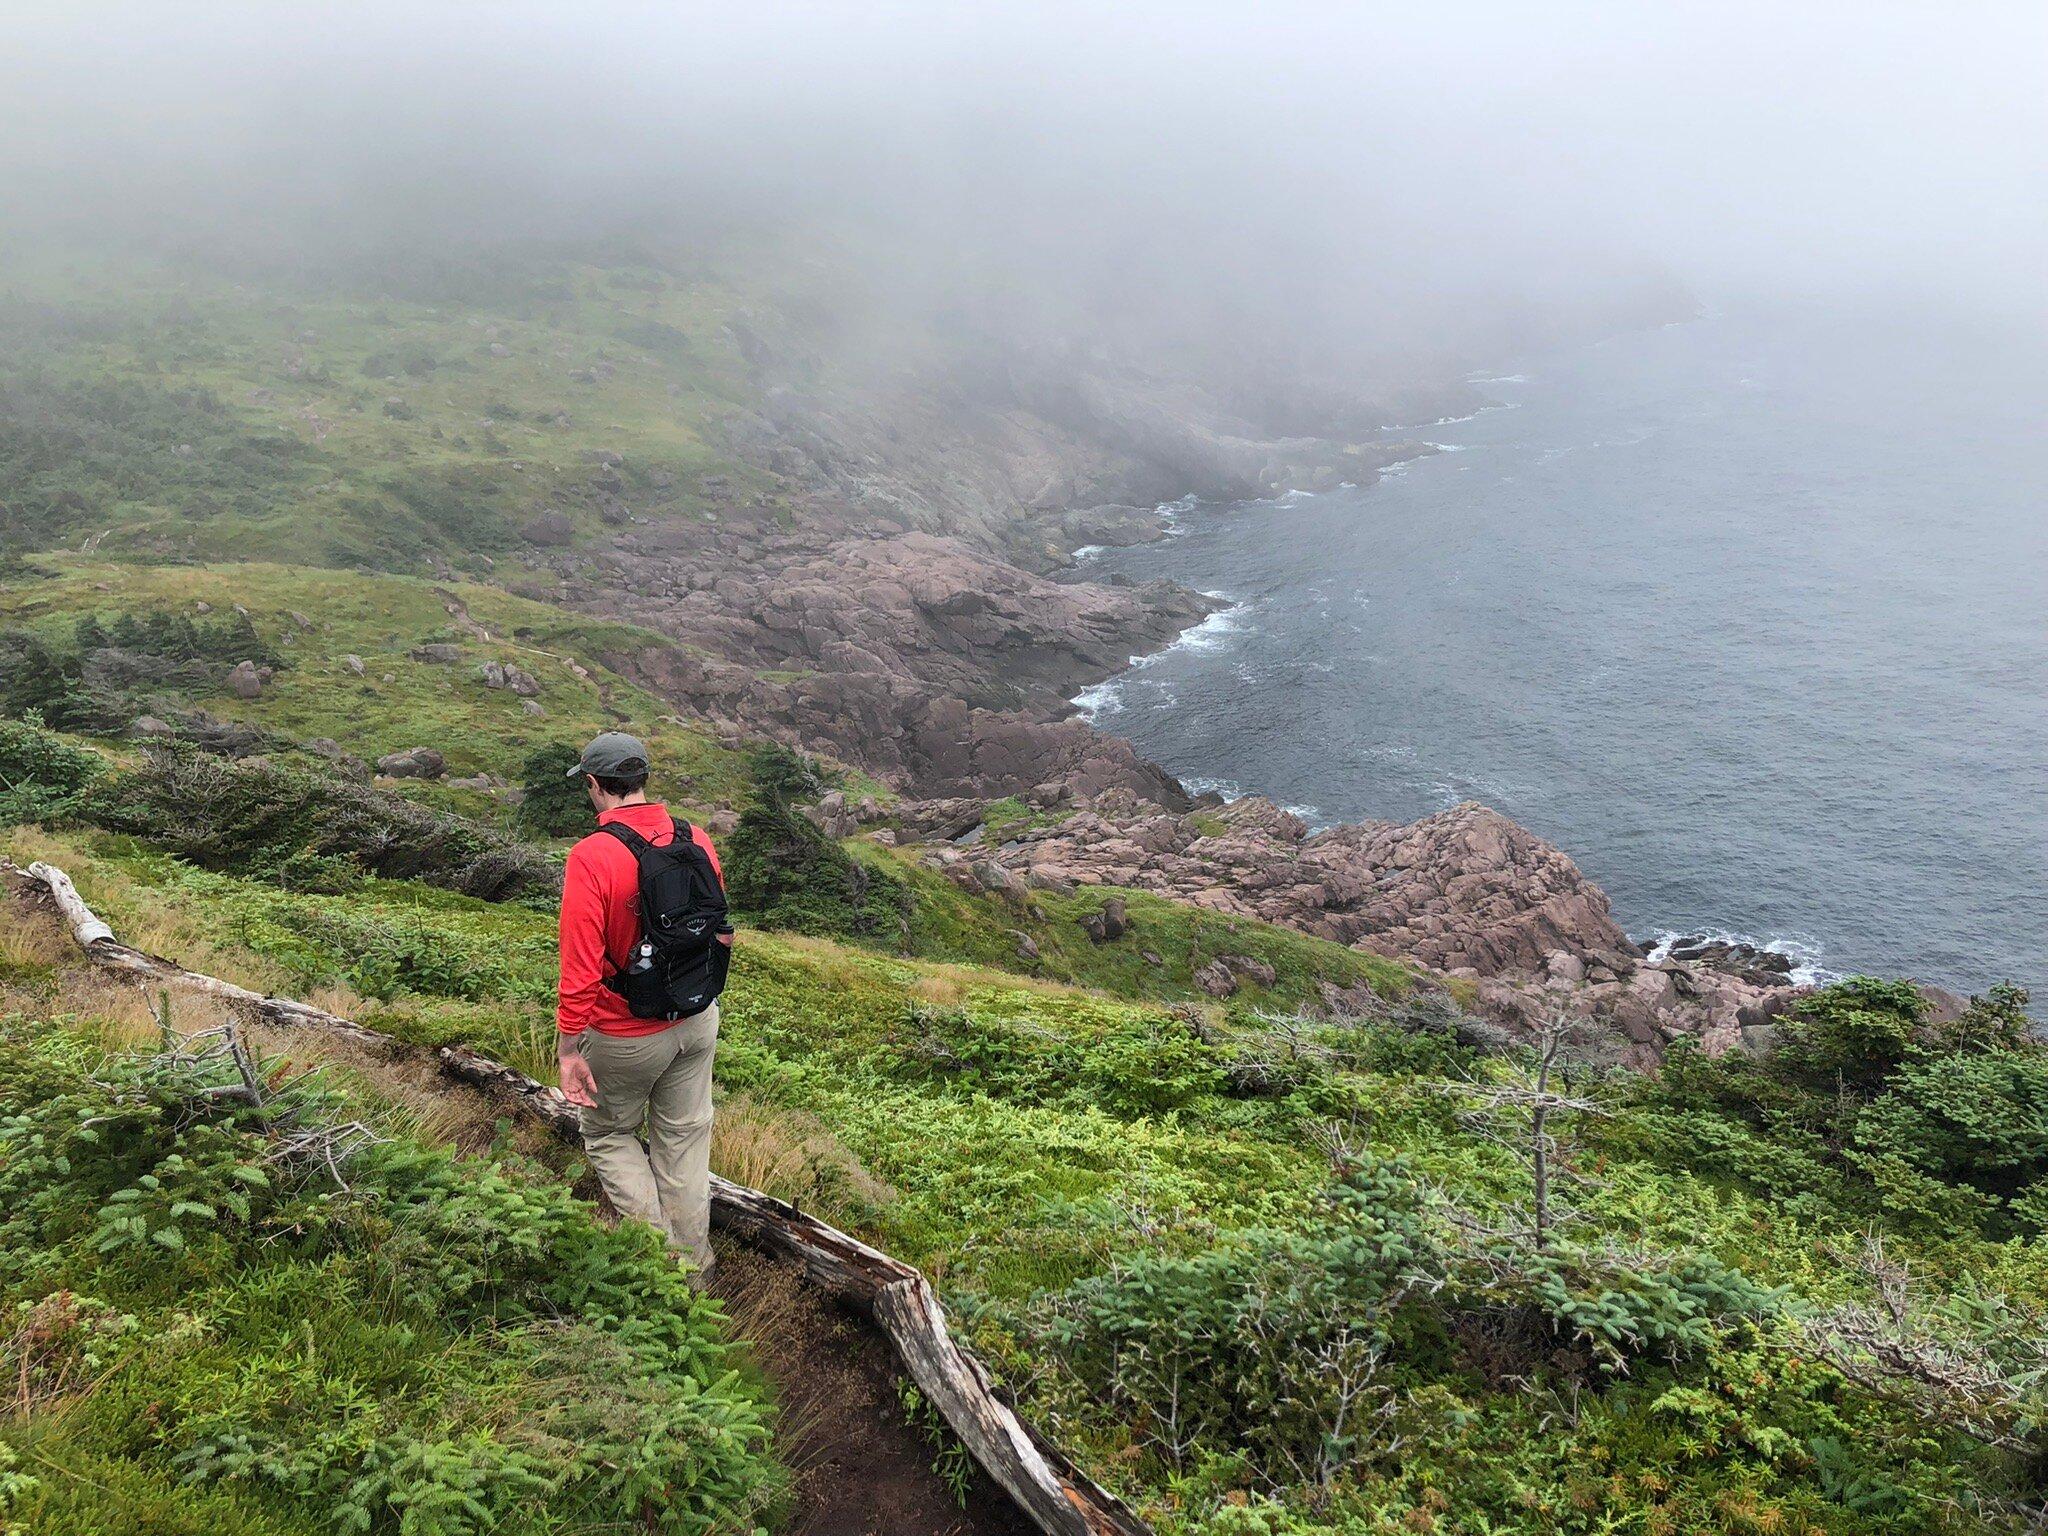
pixel 679 966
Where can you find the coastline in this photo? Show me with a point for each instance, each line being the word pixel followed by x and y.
pixel 1097 701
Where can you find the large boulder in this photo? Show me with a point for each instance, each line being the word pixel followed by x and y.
pixel 1253 970
pixel 412 763
pixel 502 674
pixel 550 529
pixel 1109 923
pixel 245 680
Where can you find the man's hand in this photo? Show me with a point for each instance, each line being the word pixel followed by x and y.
pixel 579 1083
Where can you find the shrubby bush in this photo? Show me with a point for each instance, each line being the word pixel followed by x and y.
pixel 432 1347
pixel 1294 1350
pixel 1979 1119
pixel 41 774
pixel 116 671
pixel 1868 1102
pixel 35 678
pixel 1149 1066
pixel 1852 1035
pixel 782 872
pixel 287 823
pixel 555 805
pixel 1270 1345
pixel 175 637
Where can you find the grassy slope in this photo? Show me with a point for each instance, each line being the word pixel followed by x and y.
pixel 457 1345
pixel 380 619
pixel 842 1033
pixel 948 923
pixel 191 416
pixel 1014 1138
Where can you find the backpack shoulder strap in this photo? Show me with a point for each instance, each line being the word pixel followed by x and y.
pixel 635 843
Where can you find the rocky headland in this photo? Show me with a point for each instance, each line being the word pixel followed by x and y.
pixel 902 597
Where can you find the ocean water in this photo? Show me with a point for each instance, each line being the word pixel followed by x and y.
pixel 1748 614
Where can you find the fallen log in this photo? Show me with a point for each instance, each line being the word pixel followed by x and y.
pixel 1043 1481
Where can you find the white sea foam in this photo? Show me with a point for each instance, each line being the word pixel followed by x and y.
pixel 1805 954
pixel 1496 378
pixel 1229 789
pixel 1452 421
pixel 1088 552
pixel 1215 630
pixel 1211 633
pixel 1102 699
pixel 1170 514
pixel 1107 698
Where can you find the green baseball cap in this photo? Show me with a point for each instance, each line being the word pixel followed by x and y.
pixel 612 754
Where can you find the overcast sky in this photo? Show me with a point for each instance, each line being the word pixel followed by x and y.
pixel 1785 149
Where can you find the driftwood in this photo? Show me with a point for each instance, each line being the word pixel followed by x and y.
pixel 1058 1497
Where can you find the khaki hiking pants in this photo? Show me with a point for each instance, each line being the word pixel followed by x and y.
pixel 664 1080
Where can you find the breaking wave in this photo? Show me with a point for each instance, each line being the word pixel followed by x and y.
pixel 1805 955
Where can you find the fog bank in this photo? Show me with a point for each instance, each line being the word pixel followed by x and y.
pixel 1342 171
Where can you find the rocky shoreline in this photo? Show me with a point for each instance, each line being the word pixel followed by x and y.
pixel 905 598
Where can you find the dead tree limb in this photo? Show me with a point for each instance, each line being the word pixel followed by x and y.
pixel 1043 1481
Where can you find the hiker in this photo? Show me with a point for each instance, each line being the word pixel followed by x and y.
pixel 645 946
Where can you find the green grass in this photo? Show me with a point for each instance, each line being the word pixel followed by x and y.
pixel 203 1329
pixel 949 924
pixel 381 619
pixel 330 429
pixel 1020 1139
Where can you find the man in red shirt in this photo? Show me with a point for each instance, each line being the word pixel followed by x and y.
pixel 621 1070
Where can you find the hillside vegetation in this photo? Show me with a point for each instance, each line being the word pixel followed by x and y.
pixel 1281 1265
pixel 238 1311
pixel 1276 1274
pixel 375 417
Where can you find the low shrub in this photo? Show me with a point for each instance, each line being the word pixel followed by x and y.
pixel 269 820
pixel 555 804
pixel 41 774
pixel 368 1334
pixel 1869 1103
pixel 1271 1345
pixel 1852 1035
pixel 1979 1119
pixel 782 872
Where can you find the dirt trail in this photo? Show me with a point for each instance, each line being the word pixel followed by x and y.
pixel 861 1468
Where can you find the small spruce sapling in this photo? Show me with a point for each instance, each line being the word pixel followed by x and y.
pixel 1542 1133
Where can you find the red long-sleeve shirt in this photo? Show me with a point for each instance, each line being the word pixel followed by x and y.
pixel 601 921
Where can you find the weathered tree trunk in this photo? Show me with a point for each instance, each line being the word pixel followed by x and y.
pixel 1042 1480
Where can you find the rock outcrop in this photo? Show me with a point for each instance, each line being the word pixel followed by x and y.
pixel 412 763
pixel 500 674
pixel 920 659
pixel 1466 892
pixel 1466 889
